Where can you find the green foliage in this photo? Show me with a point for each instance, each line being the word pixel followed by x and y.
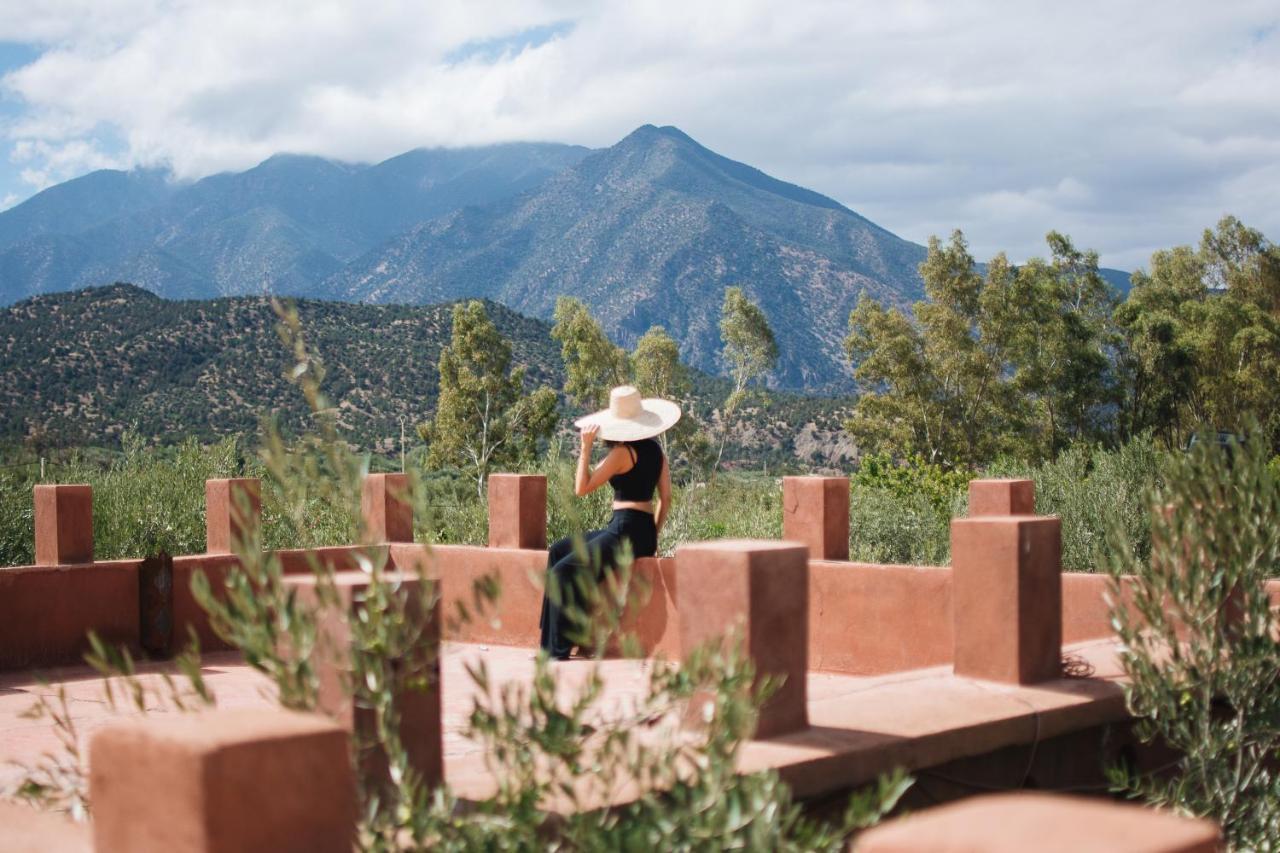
pixel 931 383
pixel 1096 492
pixel 750 352
pixel 1060 320
pixel 1202 333
pixel 593 364
pixel 901 512
pixel 145 500
pixel 1199 640
pixel 483 418
pixel 659 373
pixel 888 527
pixel 911 477
pixel 657 368
pixel 1011 361
pixel 750 349
pixel 732 506
pixel 1028 361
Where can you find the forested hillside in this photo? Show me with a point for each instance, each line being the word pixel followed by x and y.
pixel 80 368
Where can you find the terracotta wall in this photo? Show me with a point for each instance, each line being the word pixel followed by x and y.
pixel 863 618
pixel 45 611
pixel 866 618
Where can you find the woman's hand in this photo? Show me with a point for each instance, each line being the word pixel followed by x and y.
pixel 588 435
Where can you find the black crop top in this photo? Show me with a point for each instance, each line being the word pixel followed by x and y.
pixel 639 481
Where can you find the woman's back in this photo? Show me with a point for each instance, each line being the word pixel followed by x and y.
pixel 641 479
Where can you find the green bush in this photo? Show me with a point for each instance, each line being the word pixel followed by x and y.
pixel 734 505
pixel 451 514
pixel 911 478
pixel 1199 640
pixel 1094 490
pixel 888 527
pixel 144 499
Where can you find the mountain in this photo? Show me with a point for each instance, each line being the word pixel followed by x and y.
pixel 83 203
pixel 651 231
pixel 648 231
pixel 279 227
pixel 1118 279
pixel 78 368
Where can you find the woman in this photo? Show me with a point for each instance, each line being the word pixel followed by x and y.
pixel 635 466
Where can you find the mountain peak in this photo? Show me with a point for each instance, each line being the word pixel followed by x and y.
pixel 648 134
pixel 289 163
pixel 648 137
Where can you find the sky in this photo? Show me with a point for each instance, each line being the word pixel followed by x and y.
pixel 1131 126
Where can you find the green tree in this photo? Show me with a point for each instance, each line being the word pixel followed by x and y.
pixel 658 372
pixel 1158 361
pixel 1202 336
pixel 655 363
pixel 1062 343
pixel 593 364
pixel 483 417
pixel 750 351
pixel 934 383
pixel 1017 360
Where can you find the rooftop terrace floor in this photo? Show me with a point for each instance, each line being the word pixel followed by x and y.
pixel 860 726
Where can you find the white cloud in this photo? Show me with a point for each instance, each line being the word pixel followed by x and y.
pixel 53 162
pixel 1128 126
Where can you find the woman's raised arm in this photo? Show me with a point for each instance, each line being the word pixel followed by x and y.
pixel 616 462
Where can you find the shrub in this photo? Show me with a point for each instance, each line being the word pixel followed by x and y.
pixel 1200 639
pixel 888 527
pixel 144 499
pixel 734 505
pixel 1096 492
pixel 911 478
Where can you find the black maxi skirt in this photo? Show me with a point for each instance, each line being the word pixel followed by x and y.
pixel 566 571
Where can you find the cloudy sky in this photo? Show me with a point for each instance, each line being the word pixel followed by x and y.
pixel 1129 125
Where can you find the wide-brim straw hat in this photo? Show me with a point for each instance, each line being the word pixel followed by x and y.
pixel 630 418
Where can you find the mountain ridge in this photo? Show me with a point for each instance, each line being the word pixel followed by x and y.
pixel 649 231
pixel 306 207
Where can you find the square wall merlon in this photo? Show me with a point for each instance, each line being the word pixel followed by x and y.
pixel 1007 597
pixel 63 524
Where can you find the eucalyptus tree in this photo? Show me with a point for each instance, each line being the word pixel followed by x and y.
pixel 593 364
pixel 750 352
pixel 1202 336
pixel 1063 347
pixel 658 371
pixel 483 415
pixel 933 382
